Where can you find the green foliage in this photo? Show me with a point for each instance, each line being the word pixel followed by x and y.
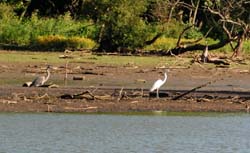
pixel 113 23
pixel 171 29
pixel 11 29
pixel 11 1
pixel 6 11
pixel 193 33
pixel 246 46
pixel 123 26
pixel 63 25
pixel 28 31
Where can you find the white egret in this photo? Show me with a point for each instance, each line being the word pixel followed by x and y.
pixel 158 84
pixel 40 80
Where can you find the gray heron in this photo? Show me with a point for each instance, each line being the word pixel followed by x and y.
pixel 40 80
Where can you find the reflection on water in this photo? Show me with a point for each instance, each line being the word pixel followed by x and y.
pixel 81 133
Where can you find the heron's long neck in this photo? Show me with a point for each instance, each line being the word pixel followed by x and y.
pixel 206 51
pixel 165 79
pixel 48 75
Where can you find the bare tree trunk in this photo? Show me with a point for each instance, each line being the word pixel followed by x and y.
pixel 170 14
pixel 181 50
pixel 239 46
pixel 196 11
pixel 190 16
pixel 172 9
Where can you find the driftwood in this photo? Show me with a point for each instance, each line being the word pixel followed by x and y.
pixel 122 94
pixel 217 61
pixel 92 73
pixel 43 96
pixel 194 89
pixel 86 95
pixel 28 84
pixel 206 58
pixel 4 101
pixel 50 85
pixel 83 95
pixel 78 77
pixel 66 56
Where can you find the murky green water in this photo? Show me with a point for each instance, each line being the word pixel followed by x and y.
pixel 81 133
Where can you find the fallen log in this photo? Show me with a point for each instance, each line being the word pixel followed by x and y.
pixel 161 94
pixel 217 61
pixel 194 89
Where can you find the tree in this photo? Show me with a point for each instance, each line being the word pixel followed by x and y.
pixel 229 18
pixel 233 16
pixel 54 8
pixel 121 24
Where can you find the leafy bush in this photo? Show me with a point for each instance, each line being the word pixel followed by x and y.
pixel 193 33
pixel 123 26
pixel 246 46
pixel 63 25
pixel 25 32
pixel 171 29
pixel 10 30
pixel 6 11
pixel 60 43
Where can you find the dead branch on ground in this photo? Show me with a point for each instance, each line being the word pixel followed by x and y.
pixel 194 89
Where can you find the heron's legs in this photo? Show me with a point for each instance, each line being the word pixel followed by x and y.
pixel 157 93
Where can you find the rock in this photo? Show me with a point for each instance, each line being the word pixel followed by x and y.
pixel 78 77
pixel 27 84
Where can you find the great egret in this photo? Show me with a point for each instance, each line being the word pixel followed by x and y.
pixel 40 80
pixel 158 84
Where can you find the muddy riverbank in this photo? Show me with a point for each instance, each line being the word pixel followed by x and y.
pixel 98 87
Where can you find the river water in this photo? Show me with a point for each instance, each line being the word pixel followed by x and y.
pixel 115 133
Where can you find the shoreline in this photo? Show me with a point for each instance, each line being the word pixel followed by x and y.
pixel 20 99
pixel 99 107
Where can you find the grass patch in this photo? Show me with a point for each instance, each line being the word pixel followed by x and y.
pixel 79 57
pixel 53 57
pixel 36 57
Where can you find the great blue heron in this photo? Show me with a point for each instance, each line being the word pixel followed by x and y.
pixel 204 56
pixel 158 84
pixel 40 80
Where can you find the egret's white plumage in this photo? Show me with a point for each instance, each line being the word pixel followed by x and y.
pixel 158 84
pixel 39 81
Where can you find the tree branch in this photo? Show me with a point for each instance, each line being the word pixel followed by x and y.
pixel 196 47
pixel 181 34
pixel 149 42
